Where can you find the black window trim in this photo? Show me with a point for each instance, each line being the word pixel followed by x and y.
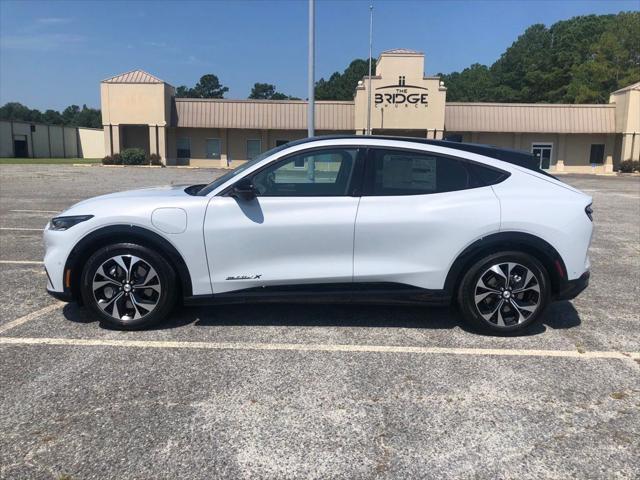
pixel 367 187
pixel 356 182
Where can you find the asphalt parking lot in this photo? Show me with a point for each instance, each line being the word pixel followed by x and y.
pixel 298 391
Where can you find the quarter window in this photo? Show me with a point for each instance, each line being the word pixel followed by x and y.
pixel 317 173
pixel 397 172
pixel 183 146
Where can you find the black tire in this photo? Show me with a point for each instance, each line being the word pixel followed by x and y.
pixel 518 310
pixel 159 297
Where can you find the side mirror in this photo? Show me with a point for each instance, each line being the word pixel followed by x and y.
pixel 244 190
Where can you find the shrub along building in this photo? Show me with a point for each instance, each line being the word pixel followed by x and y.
pixel 140 110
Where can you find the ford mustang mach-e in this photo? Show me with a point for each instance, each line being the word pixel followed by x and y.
pixel 334 219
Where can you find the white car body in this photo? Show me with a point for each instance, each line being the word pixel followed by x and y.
pixel 228 245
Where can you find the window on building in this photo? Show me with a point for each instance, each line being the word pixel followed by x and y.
pixel 254 148
pixel 279 143
pixel 397 172
pixel 183 146
pixel 597 154
pixel 214 148
pixel 324 173
pixel 542 151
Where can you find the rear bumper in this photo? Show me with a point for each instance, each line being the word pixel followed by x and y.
pixel 572 288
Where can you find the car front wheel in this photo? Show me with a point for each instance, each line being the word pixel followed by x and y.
pixel 128 286
pixel 504 292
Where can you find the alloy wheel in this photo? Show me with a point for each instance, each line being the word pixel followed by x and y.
pixel 507 294
pixel 126 287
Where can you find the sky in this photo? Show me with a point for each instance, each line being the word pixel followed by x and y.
pixel 55 53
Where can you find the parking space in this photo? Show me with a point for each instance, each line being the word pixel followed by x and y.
pixel 326 391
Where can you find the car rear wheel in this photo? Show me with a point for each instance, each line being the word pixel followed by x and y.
pixel 128 286
pixel 504 293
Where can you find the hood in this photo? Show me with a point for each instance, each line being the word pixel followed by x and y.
pixel 159 193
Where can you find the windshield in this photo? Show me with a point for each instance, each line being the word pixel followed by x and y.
pixel 238 170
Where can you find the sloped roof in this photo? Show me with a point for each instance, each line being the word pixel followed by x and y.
pixel 401 51
pixel 134 76
pixel 633 86
pixel 532 117
pixel 260 114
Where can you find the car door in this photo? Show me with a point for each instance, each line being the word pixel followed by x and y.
pixel 298 230
pixel 417 213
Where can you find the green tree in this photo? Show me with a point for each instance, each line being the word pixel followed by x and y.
pixel 52 117
pixel 89 117
pixel 182 92
pixel 208 86
pixel 342 86
pixel 15 111
pixel 72 115
pixel 578 60
pixel 267 91
pixel 473 84
pixel 262 91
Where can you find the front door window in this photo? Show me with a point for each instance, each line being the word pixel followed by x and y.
pixel 319 173
pixel 542 151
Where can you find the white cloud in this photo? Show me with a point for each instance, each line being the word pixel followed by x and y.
pixel 40 42
pixel 53 20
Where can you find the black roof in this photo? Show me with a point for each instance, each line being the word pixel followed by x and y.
pixel 516 157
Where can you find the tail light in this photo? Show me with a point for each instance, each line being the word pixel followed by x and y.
pixel 589 211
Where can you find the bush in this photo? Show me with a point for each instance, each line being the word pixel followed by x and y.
pixel 626 166
pixel 133 156
pixel 154 159
pixel 112 160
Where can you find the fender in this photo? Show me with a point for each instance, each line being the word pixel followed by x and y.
pixel 532 244
pixel 123 233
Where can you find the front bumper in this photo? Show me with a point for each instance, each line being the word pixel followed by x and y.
pixel 62 296
pixel 572 288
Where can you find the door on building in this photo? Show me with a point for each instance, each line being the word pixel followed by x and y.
pixel 20 146
pixel 280 237
pixel 214 148
pixel 543 151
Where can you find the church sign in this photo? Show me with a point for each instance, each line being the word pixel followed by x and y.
pixel 402 94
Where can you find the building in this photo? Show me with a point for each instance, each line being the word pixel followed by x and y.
pixel 28 140
pixel 140 110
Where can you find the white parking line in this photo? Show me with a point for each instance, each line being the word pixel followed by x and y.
pixel 20 262
pixel 19 321
pixel 23 229
pixel 313 347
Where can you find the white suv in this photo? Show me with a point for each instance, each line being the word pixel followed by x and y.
pixel 334 219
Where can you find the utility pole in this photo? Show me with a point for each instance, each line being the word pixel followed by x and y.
pixel 311 73
pixel 369 81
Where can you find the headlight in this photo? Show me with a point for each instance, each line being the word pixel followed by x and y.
pixel 64 223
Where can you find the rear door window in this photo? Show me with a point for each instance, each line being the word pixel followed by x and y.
pixel 406 172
